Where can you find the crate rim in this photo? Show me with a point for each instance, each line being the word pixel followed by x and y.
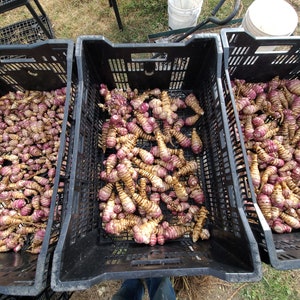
pixel 80 39
pixel 37 44
pixel 268 40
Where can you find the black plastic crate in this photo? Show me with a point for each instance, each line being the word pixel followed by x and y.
pixel 47 294
pixel 43 66
pixel 85 255
pixel 260 60
pixel 25 32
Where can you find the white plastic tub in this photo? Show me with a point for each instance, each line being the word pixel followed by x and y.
pixel 270 18
pixel 183 13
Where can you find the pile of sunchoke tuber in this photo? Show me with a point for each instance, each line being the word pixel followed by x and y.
pixel 269 113
pixel 30 128
pixel 151 189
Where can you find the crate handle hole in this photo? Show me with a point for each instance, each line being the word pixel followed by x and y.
pixel 273 49
pixel 145 56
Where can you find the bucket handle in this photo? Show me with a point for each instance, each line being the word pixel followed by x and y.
pixel 216 20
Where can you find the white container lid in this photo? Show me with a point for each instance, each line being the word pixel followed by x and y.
pixel 272 17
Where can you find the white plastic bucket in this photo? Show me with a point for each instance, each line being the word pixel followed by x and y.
pixel 270 18
pixel 183 13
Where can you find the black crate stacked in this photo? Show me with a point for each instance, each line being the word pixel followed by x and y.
pixel 28 31
pixel 47 294
pixel 85 254
pixel 43 66
pixel 260 60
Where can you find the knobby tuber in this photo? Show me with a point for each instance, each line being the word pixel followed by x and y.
pixel 269 113
pixel 30 127
pixel 150 187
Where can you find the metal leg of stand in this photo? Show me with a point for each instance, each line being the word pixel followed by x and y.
pixel 113 3
pixel 34 14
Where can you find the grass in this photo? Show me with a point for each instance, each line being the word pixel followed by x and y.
pixel 72 18
pixel 274 285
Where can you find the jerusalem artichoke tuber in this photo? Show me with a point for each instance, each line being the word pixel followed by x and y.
pixel 200 219
pixel 136 180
